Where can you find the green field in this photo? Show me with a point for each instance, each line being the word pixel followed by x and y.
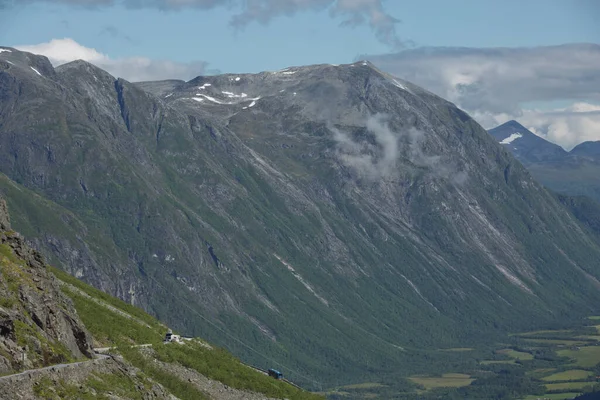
pixel 458 349
pixel 492 362
pixel 567 385
pixel 544 332
pixel 589 337
pixel 517 355
pixel 564 342
pixel 553 396
pixel 572 375
pixel 584 357
pixel 366 385
pixel 446 380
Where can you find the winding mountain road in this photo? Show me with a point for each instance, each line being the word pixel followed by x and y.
pixel 53 367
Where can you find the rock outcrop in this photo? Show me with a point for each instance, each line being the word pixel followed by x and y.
pixel 38 324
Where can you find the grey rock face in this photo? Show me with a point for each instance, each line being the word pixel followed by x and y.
pixel 34 312
pixel 289 206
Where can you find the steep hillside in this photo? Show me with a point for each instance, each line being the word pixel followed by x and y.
pixel 38 325
pixel 334 219
pixel 49 321
pixel 576 172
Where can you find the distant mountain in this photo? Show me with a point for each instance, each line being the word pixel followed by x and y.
pixel 574 173
pixel 525 145
pixel 587 149
pixel 337 220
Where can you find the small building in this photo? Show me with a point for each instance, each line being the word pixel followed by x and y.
pixel 171 337
pixel 275 374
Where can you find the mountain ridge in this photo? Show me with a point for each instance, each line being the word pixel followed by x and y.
pixel 290 206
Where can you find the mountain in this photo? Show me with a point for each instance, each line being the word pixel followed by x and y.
pixel 49 322
pixel 337 220
pixel 587 149
pixel 576 172
pixel 527 147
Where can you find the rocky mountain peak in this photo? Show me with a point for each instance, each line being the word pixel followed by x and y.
pixel 526 146
pixel 32 65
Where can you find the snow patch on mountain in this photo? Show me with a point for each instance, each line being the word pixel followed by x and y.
pixel 233 95
pixel 511 138
pixel 5 50
pixel 36 71
pixel 401 86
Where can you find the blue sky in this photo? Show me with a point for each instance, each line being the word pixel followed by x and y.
pixel 307 37
pixel 531 60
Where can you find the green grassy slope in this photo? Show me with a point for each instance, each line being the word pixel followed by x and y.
pixel 113 322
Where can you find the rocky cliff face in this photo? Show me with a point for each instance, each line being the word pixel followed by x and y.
pixel 334 217
pixel 38 324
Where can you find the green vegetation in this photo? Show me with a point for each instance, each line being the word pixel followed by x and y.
pixel 517 355
pixel 176 385
pixel 567 385
pixel 12 270
pixel 52 352
pixel 554 396
pixel 570 375
pixel 218 364
pixel 366 385
pixel 564 342
pixel 587 356
pixel 110 328
pixel 117 384
pixel 492 362
pixel 446 380
pixel 101 386
pixel 113 301
pixel 458 349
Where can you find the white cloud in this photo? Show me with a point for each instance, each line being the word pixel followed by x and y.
pixel 378 158
pixel 495 85
pixel 61 51
pixel 568 126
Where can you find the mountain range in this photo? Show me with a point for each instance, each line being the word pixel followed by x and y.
pixel 576 172
pixel 337 220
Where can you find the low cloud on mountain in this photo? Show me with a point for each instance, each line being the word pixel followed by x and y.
pixel 498 84
pixel 378 158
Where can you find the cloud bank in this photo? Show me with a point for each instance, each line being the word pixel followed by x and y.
pixel 352 12
pixel 499 84
pixel 135 69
